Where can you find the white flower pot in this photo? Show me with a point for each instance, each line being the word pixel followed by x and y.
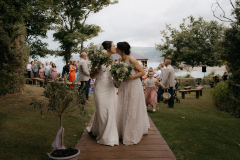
pixel 73 157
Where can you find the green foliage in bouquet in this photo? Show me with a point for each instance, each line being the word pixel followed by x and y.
pixel 121 70
pixel 99 57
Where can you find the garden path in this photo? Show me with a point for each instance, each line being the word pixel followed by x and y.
pixel 151 147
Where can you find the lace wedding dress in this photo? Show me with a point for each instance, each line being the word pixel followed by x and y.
pixel 131 115
pixel 104 124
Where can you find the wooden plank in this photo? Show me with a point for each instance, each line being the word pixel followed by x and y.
pixel 135 159
pixel 126 155
pixel 121 147
pixel 151 147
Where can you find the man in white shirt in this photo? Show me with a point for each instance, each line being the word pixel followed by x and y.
pixel 46 69
pixel 158 73
pixel 168 81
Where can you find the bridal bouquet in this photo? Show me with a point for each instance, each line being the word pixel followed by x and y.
pixel 121 70
pixel 99 57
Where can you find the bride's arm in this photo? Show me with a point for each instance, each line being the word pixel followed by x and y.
pixel 137 67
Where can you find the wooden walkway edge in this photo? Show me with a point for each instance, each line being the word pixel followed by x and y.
pixel 151 147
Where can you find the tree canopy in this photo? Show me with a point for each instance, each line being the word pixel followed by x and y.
pixel 70 26
pixel 229 46
pixel 193 44
pixel 35 17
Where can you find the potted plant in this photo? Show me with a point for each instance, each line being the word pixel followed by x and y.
pixel 60 97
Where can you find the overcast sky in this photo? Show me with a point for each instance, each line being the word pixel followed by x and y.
pixel 139 22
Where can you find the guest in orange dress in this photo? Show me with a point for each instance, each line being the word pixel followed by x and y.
pixel 151 93
pixel 54 71
pixel 41 72
pixel 72 75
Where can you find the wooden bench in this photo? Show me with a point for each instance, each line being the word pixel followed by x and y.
pixel 39 80
pixel 29 80
pixel 188 88
pixel 183 93
pixel 198 91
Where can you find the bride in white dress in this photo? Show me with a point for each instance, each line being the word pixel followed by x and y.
pixel 104 124
pixel 131 115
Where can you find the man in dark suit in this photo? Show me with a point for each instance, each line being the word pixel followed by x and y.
pixel 65 70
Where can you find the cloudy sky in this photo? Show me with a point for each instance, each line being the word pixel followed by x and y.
pixel 139 22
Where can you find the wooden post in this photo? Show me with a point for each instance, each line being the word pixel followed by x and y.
pixel 41 83
pixel 183 95
pixel 197 94
pixel 201 92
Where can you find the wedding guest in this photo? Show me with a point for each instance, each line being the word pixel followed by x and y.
pixel 151 93
pixel 54 71
pixel 76 72
pixel 41 72
pixel 168 81
pixel 216 79
pixel 29 69
pixel 89 64
pixel 47 70
pixel 160 90
pixel 83 73
pixel 72 76
pixel 41 64
pixel 144 77
pixel 65 70
pixel 158 73
pixel 225 77
pixel 50 65
pixel 35 70
pixel 32 75
pixel 91 85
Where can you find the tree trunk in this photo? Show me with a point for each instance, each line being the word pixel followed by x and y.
pixel 81 47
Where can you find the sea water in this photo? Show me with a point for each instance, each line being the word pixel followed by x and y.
pixel 195 74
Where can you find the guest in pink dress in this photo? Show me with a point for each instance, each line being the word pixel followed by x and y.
pixel 151 93
pixel 54 71
pixel 41 72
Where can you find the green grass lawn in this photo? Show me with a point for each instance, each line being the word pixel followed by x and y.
pixel 196 130
pixel 25 134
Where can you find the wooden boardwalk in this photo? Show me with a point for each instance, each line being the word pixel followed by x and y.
pixel 151 147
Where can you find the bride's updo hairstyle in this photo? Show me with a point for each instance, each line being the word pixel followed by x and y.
pixel 107 45
pixel 124 46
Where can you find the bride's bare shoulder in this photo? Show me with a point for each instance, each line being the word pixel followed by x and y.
pixel 132 60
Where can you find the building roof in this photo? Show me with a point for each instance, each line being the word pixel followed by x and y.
pixel 134 55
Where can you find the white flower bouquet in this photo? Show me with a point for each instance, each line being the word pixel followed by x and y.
pixel 99 57
pixel 121 70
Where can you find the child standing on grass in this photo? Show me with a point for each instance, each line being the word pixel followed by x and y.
pixel 151 93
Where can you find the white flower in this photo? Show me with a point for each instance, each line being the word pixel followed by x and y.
pixel 117 71
pixel 104 51
pixel 125 69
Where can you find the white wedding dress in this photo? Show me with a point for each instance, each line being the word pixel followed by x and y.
pixel 131 115
pixel 104 124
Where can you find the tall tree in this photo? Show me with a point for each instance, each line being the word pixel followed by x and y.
pixel 193 43
pixel 35 15
pixel 71 29
pixel 229 46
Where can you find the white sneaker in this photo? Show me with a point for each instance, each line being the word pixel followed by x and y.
pixel 154 110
